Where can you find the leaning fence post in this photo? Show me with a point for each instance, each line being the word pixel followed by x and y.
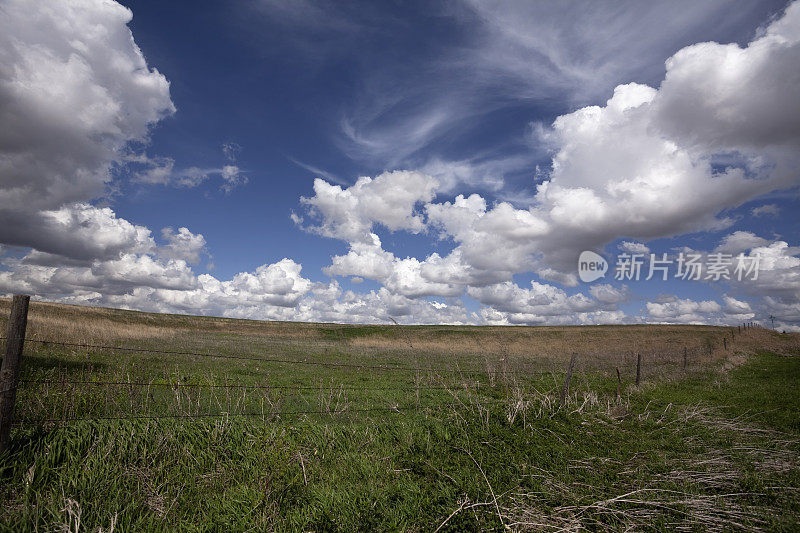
pixel 724 344
pixel 685 356
pixel 619 385
pixel 565 388
pixel 9 372
pixel 638 368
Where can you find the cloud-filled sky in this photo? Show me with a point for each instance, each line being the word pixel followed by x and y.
pixel 423 162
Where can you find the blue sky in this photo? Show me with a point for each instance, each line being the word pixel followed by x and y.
pixel 468 151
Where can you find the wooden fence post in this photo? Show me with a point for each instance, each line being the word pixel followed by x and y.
pixel 619 385
pixel 638 368
pixel 739 328
pixel 685 357
pixel 9 372
pixel 565 388
pixel 725 344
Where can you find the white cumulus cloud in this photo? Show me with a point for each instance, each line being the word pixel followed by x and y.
pixel 74 91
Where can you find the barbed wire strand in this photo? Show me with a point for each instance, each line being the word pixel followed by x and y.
pixel 408 387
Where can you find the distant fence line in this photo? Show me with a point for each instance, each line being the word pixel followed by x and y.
pixel 15 340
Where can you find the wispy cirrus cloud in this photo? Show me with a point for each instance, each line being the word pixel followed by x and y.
pixel 521 55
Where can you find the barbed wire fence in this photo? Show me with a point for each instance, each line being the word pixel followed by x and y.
pixel 68 399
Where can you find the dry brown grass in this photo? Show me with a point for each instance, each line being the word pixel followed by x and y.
pixel 503 347
pixel 562 341
pixel 83 324
pixel 716 501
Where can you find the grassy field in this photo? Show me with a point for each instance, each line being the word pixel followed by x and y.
pixel 320 427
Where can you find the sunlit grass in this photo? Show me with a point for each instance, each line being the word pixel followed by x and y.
pixel 472 438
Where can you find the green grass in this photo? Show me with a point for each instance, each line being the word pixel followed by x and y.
pixel 410 471
pixel 764 391
pixel 475 440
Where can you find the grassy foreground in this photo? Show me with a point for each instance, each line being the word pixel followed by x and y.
pixel 473 439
